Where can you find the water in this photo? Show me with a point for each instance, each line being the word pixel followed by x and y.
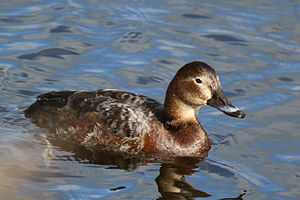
pixel 138 46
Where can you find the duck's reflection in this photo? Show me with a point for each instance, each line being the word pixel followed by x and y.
pixel 171 180
pixel 172 183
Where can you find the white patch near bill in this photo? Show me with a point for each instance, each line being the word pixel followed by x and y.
pixel 229 109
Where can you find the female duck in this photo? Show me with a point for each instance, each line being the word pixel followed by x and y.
pixel 127 122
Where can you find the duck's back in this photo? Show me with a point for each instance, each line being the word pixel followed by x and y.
pixel 123 113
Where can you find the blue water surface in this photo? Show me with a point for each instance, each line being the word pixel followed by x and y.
pixel 138 46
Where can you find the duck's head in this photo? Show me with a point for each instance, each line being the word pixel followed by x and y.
pixel 196 84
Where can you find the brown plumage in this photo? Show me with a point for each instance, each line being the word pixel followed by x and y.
pixel 127 122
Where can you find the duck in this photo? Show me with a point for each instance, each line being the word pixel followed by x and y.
pixel 127 122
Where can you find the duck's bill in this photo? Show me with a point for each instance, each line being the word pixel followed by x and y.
pixel 220 102
pixel 232 111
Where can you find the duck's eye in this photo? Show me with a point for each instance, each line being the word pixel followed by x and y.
pixel 198 80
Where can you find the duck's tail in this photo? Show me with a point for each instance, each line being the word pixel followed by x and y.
pixel 43 112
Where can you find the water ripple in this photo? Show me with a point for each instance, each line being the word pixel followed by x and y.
pixel 138 46
pixel 250 175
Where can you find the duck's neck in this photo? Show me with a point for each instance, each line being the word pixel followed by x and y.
pixel 178 112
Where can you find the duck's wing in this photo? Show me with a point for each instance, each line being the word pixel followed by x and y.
pixel 123 113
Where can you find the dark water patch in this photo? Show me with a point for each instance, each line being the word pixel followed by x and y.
pixel 20 81
pixel 59 8
pixel 20 74
pixel 164 61
pixel 117 188
pixel 11 20
pixel 237 44
pixel 144 80
pixel 285 79
pixel 87 44
pixel 110 24
pixel 50 81
pixel 61 29
pixel 3 109
pixel 37 68
pixel 224 38
pixel 52 53
pixel 194 16
pixel 27 92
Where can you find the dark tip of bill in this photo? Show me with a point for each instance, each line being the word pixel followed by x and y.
pixel 238 114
